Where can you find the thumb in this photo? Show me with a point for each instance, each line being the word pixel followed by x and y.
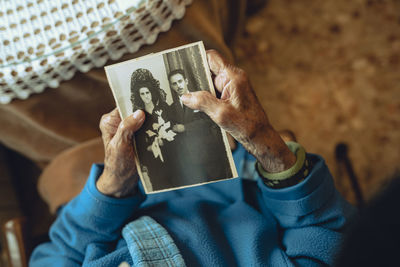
pixel 128 127
pixel 203 101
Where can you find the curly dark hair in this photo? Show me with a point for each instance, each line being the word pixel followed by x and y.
pixel 143 78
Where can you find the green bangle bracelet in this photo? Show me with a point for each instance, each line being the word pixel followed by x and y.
pixel 291 176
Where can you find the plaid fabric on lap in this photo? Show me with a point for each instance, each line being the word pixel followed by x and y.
pixel 150 244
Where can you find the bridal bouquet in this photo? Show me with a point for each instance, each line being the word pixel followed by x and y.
pixel 161 132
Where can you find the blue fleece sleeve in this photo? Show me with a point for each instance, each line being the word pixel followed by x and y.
pixel 311 217
pixel 90 218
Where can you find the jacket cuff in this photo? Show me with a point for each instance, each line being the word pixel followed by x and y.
pixel 305 197
pixel 105 207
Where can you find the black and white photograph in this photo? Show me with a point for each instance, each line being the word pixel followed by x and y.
pixel 176 146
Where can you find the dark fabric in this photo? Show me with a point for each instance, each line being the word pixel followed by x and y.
pixel 155 168
pixel 193 146
pixel 373 238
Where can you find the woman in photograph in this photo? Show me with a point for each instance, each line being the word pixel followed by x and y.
pixel 155 136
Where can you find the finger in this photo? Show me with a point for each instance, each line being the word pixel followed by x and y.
pixel 215 61
pixel 109 124
pixel 217 66
pixel 223 71
pixel 287 135
pixel 128 127
pixel 203 101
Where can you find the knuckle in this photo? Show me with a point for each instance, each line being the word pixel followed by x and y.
pixel 240 77
pixel 203 96
pixel 222 116
pixel 216 55
pixel 243 75
pixel 199 99
pixel 196 102
pixel 102 123
pixel 211 51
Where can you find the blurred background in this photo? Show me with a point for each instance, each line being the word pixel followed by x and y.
pixel 326 70
pixel 330 72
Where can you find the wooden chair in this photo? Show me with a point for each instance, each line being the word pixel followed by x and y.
pixel 16 240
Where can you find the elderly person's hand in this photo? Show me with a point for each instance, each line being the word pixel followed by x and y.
pixel 239 112
pixel 119 177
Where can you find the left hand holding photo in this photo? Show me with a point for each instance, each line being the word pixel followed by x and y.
pixel 118 178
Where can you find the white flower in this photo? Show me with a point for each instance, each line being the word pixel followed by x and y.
pixel 161 131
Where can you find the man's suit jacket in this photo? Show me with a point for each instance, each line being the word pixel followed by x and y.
pixel 198 149
pixel 186 116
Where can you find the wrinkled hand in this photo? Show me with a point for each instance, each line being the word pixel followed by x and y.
pixel 118 178
pixel 239 112
pixel 178 128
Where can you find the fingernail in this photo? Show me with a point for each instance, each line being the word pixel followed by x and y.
pixel 138 114
pixel 185 97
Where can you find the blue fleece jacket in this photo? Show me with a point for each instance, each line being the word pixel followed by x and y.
pixel 238 222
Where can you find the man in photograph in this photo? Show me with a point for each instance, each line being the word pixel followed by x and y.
pixel 196 135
